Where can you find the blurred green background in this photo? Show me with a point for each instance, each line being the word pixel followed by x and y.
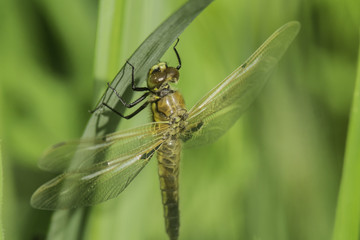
pixel 274 175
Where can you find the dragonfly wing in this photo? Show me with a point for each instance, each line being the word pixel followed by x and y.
pixel 97 184
pixel 218 110
pixel 81 154
pixel 115 160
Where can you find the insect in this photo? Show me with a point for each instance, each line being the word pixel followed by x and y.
pixel 106 165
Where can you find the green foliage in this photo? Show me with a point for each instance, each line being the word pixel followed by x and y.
pixel 1 196
pixel 275 175
pixel 347 217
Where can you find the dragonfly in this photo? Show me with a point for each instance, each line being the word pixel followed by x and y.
pixel 106 165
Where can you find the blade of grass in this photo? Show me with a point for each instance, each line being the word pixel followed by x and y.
pixel 70 224
pixel 108 40
pixel 1 196
pixel 347 217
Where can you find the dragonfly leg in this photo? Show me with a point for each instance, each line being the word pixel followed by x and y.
pixel 139 89
pixel 128 116
pixel 177 54
pixel 128 105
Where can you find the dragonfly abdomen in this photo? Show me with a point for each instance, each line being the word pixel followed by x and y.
pixel 168 159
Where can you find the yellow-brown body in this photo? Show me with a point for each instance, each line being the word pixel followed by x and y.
pixel 170 108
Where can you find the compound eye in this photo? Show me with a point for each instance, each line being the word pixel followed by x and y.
pixel 156 79
pixel 172 74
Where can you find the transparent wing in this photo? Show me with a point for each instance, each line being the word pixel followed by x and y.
pixel 125 154
pixel 81 154
pixel 218 110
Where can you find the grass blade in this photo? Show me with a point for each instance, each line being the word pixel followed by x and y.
pixel 347 213
pixel 1 196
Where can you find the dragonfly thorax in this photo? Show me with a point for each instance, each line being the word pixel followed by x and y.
pixel 160 75
pixel 170 108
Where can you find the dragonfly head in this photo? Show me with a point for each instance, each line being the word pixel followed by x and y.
pixel 161 74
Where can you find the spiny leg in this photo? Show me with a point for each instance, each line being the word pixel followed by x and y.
pixel 139 89
pixel 130 115
pixel 127 105
pixel 177 54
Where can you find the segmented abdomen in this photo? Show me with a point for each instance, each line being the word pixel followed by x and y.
pixel 169 159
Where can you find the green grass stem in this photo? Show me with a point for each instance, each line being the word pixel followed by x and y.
pixel 348 207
